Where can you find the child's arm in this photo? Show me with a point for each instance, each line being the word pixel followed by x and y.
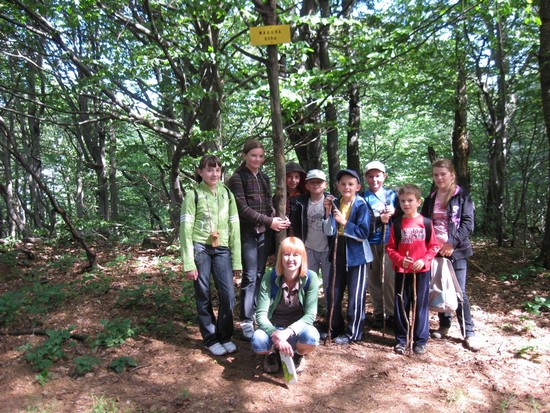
pixel 357 226
pixel 187 223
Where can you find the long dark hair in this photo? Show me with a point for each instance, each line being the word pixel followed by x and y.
pixel 206 161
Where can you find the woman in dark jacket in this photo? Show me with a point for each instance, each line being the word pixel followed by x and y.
pixel 452 211
pixel 252 192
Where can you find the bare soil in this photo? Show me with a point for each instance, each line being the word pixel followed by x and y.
pixel 174 373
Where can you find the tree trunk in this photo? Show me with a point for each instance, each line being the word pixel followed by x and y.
pixel 268 12
pixel 354 124
pixel 460 136
pixel 544 65
pixel 113 187
pixel 331 116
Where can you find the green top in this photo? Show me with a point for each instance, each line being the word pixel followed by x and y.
pixel 266 306
pixel 204 211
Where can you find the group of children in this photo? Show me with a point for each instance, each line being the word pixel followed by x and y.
pixel 223 233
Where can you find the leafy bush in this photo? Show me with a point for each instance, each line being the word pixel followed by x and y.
pixel 122 363
pixel 43 356
pixel 84 364
pixel 11 304
pixel 538 305
pixel 115 332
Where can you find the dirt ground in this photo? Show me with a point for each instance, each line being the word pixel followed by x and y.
pixel 175 374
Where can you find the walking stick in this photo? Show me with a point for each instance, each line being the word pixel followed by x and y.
pixel 383 274
pixel 333 281
pixel 413 317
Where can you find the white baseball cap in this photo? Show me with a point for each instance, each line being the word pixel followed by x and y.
pixel 375 165
pixel 316 174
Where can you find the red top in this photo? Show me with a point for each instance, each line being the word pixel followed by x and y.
pixel 413 241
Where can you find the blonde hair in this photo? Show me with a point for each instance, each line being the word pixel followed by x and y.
pixel 447 164
pixel 291 244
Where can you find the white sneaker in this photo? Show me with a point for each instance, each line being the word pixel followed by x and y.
pixel 473 343
pixel 248 329
pixel 217 349
pixel 230 347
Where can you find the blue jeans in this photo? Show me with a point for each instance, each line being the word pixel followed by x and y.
pixel 254 259
pixel 261 342
pixel 463 312
pixel 215 261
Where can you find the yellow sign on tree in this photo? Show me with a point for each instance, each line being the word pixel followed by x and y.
pixel 266 35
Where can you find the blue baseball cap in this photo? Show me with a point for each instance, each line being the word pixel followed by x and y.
pixel 351 172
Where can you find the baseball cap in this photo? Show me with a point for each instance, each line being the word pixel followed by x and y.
pixel 375 165
pixel 348 172
pixel 316 174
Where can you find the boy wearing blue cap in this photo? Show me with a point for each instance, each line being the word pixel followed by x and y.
pixel 347 221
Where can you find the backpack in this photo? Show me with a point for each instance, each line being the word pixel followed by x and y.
pixel 275 287
pixel 445 292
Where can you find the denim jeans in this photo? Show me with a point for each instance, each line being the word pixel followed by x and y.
pixel 404 300
pixel 254 259
pixel 215 261
pixel 463 312
pixel 261 342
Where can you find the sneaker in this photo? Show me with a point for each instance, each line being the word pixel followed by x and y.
pixel 440 333
pixel 473 343
pixel 230 347
pixel 248 329
pixel 419 349
pixel 217 349
pixel 299 362
pixel 399 349
pixel 272 363
pixel 323 336
pixel 389 322
pixel 341 340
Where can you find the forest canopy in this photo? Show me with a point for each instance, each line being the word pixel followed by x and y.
pixel 106 106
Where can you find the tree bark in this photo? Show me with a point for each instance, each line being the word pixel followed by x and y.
pixel 331 115
pixel 544 65
pixel 460 136
pixel 268 11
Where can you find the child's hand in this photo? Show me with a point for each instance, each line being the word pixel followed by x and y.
pixel 406 262
pixel 417 266
pixel 390 210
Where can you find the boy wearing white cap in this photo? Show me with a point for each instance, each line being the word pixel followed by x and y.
pixel 382 205
pixel 307 219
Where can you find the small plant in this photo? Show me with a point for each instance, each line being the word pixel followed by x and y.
pixel 521 273
pixel 43 356
pixel 456 397
pixel 115 332
pixel 84 364
pixel 122 363
pixel 538 305
pixel 104 405
pixel 528 353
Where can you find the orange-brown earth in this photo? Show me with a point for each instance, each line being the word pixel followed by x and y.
pixel 173 372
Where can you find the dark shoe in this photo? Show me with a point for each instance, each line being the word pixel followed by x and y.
pixel 419 349
pixel 389 322
pixel 378 323
pixel 440 333
pixel 341 340
pixel 272 363
pixel 299 362
pixel 399 349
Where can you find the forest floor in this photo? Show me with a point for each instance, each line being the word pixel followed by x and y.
pixel 164 367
